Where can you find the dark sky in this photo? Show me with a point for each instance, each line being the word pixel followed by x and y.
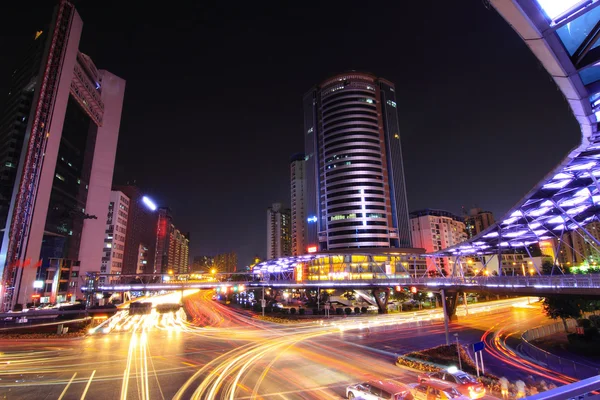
pixel 213 106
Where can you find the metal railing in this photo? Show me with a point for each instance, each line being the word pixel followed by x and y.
pixel 556 363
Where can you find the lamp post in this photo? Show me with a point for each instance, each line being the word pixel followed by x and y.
pixel 458 351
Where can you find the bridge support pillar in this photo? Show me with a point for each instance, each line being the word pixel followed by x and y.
pixel 381 304
pixel 449 302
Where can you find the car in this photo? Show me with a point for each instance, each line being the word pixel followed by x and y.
pixel 429 390
pixel 464 383
pixel 378 390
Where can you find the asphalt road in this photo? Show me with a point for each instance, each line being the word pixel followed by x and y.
pixel 235 356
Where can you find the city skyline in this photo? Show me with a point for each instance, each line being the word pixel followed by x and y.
pixel 447 121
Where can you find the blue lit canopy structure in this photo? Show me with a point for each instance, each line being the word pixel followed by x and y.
pixel 563 35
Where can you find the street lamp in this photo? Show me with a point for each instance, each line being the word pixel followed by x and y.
pixel 458 351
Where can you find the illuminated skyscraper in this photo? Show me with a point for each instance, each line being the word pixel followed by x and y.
pixel 477 221
pixel 59 135
pixel 298 193
pixel 279 239
pixel 355 193
pixel 114 240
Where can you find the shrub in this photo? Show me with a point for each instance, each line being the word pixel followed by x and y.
pixel 292 310
pixel 339 311
pixel 356 310
pixel 301 311
pixel 315 311
pixel 268 309
pixel 348 310
pixel 363 310
pixel 595 319
pixel 584 322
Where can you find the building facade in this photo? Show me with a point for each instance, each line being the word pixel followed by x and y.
pixel 225 262
pixel 203 263
pixel 279 240
pixel 298 213
pixel 435 230
pixel 477 220
pixel 61 128
pixel 116 229
pixel 140 238
pixel 355 190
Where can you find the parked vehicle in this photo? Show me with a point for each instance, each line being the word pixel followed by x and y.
pixel 433 390
pixel 464 383
pixel 378 390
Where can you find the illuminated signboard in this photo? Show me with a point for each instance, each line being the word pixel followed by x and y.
pixel 38 284
pixel 312 249
pixel 312 219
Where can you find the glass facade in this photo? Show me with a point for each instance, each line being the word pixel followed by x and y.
pixel 66 210
pixel 355 177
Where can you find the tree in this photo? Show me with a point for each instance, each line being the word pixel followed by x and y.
pixel 562 307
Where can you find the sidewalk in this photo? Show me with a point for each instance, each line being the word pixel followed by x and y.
pixel 558 344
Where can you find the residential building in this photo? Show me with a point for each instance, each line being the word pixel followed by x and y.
pixel 114 239
pixel 203 263
pixel 435 230
pixel 172 246
pixel 477 221
pixel 226 262
pixel 298 192
pixel 355 188
pixel 279 241
pixel 56 191
pixel 577 248
pixel 140 238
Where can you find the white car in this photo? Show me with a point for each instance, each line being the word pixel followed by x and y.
pixel 378 390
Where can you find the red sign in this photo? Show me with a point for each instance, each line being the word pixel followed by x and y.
pixel 35 296
pixel 312 249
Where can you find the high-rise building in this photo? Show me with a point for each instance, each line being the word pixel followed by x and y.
pixel 172 246
pixel 435 230
pixel 140 238
pixel 577 248
pixel 203 263
pixel 279 240
pixel 298 191
pixel 355 191
pixel 59 135
pixel 116 229
pixel 226 262
pixel 477 221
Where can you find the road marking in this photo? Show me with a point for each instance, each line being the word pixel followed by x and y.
pixel 88 385
pixel 190 364
pixel 66 387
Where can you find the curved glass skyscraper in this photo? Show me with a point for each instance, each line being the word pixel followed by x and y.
pixel 356 196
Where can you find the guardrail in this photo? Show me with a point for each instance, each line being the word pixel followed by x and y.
pixel 552 361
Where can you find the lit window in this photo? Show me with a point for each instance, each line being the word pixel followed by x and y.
pixel 9 164
pixel 60 177
pixel 391 103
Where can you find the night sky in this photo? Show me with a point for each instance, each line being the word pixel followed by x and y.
pixel 213 104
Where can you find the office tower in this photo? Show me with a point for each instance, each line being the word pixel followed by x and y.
pixel 435 230
pixel 114 239
pixel 355 189
pixel 279 240
pixel 140 239
pixel 477 221
pixel 172 246
pixel 60 134
pixel 298 191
